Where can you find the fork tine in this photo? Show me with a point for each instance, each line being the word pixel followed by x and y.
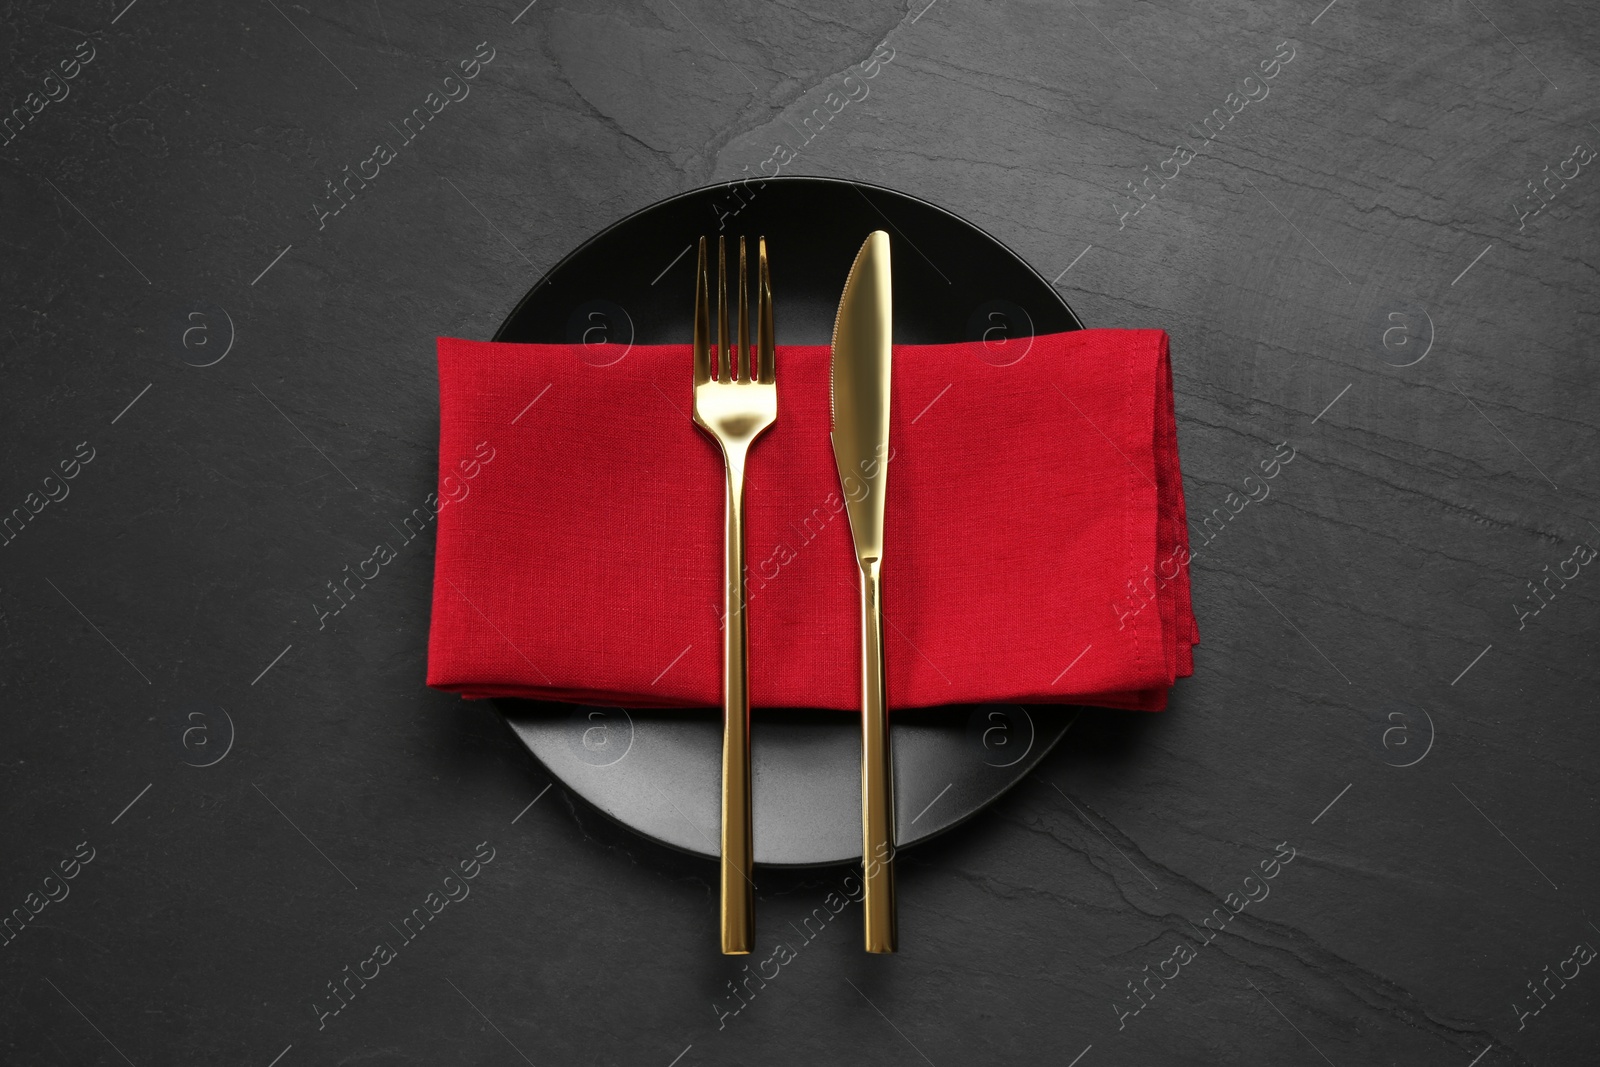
pixel 745 370
pixel 702 321
pixel 724 356
pixel 768 350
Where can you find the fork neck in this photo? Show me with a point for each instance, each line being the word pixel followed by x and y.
pixel 734 453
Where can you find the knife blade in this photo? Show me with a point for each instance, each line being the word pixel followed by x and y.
pixel 860 388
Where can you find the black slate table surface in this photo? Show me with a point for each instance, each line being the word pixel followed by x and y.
pixel 1363 832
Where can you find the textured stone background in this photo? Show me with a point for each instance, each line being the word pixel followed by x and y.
pixel 1360 618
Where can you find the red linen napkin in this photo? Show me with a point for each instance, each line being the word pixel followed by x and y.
pixel 1035 544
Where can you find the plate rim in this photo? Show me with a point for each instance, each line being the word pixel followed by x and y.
pixel 785 179
pixel 572 790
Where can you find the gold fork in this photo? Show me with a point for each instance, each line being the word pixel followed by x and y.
pixel 734 402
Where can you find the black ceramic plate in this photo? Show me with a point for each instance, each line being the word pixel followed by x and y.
pixel 657 772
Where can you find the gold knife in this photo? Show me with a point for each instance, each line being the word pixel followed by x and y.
pixel 860 392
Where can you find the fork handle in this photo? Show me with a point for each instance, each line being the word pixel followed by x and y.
pixel 738 850
pixel 877 772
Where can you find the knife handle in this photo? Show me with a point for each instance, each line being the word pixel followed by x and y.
pixel 877 773
pixel 738 848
